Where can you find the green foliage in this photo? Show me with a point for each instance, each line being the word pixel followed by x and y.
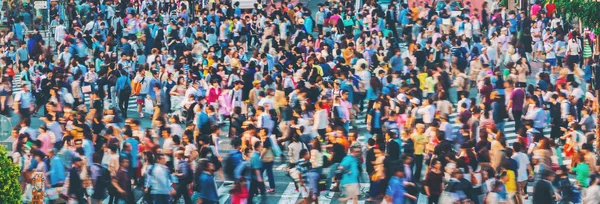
pixel 588 11
pixel 10 190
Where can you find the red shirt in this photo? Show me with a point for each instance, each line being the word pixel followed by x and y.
pixel 238 197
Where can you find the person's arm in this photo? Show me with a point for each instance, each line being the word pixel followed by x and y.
pixel 115 183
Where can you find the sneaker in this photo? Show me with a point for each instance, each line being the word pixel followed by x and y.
pixel 270 190
pixel 141 115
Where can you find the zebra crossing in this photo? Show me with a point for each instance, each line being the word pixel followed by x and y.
pixel 509 127
pixel 291 196
pixel 16 87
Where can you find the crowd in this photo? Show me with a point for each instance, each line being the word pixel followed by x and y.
pixel 435 83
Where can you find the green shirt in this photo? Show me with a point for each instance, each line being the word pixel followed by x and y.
pixel 582 172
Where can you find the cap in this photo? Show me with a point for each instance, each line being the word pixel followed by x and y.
pixel 255 82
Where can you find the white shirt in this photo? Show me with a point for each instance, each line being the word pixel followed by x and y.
pixel 523 163
pixel 60 33
pixel 428 113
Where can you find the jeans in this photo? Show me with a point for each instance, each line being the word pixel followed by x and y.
pixel 160 199
pixel 268 166
pixel 331 174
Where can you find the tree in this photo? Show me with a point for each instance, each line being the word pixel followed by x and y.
pixel 10 190
pixel 587 11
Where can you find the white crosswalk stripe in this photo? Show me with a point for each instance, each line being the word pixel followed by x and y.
pixel 16 87
pixel 509 127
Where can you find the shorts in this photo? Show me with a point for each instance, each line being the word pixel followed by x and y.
pixel 551 61
pixel 313 182
pixel 352 190
pixel 140 99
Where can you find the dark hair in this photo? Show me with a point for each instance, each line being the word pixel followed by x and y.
pixel 303 152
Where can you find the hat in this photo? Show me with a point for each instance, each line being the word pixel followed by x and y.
pixel 255 82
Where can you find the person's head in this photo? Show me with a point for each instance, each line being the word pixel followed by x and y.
pixel 548 174
pixel 258 146
pixel 124 162
pixel 304 154
pixel 436 164
pixel 355 151
pixel 77 161
pixel 161 159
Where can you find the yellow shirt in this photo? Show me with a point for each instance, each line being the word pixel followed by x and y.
pixel 511 184
pixel 422 76
pixel 420 140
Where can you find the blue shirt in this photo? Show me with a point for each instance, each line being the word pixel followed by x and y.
pixel 122 82
pixel 88 150
pixel 395 189
pixel 151 85
pixel 57 171
pixel 375 119
pixel 255 163
pixel 202 118
pixel 134 150
pixel 160 179
pixel 22 54
pixel 350 164
pixel 207 191
pixel 25 98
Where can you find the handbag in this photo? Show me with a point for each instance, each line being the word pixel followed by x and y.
pixel 86 89
pixel 515 57
pixel 69 98
pixel 274 146
pixel 148 107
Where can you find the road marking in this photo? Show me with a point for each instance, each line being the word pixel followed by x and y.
pixel 326 199
pixel 281 167
pixel 289 196
pixel 223 193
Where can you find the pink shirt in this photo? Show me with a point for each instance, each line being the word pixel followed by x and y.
pixel 213 95
pixel 46 142
pixel 346 106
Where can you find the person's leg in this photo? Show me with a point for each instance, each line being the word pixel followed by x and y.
pixel 269 167
pixel 253 190
pixel 517 115
pixel 330 175
pixel 418 167
pixel 433 199
pixel 186 195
